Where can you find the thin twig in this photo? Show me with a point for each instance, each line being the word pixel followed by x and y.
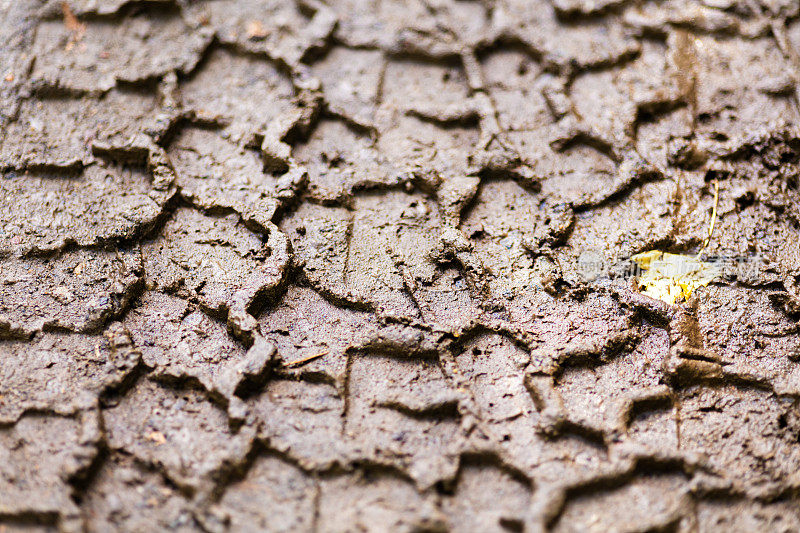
pixel 305 360
pixel 713 218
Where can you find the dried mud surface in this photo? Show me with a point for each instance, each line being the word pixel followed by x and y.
pixel 314 265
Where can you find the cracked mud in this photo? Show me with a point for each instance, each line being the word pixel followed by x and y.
pixel 318 265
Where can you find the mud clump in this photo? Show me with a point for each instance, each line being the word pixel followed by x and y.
pixel 354 265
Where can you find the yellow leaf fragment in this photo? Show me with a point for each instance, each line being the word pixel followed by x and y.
pixel 70 20
pixel 75 26
pixel 157 437
pixel 673 277
pixel 255 30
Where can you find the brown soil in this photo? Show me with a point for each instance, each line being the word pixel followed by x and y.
pixel 320 265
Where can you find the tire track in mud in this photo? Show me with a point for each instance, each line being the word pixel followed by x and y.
pixel 315 265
